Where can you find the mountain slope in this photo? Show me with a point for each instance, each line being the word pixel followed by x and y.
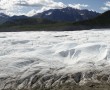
pixel 16 21
pixel 3 18
pixel 67 14
pixel 101 20
pixel 36 24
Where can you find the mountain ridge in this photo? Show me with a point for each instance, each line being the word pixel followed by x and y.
pixel 40 24
pixel 101 20
pixel 57 15
pixel 67 14
pixel 3 18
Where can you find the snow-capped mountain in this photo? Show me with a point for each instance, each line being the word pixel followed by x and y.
pixel 3 18
pixel 67 14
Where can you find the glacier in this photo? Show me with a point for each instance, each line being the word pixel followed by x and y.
pixel 27 58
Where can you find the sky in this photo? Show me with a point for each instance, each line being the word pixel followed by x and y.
pixel 31 7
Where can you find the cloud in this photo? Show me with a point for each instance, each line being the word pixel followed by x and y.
pixel 78 6
pixel 21 6
pixel 32 12
pixel 104 8
pixel 29 7
pixel 9 6
pixel 1 9
pixel 107 3
pixel 44 5
pixel 40 3
pixel 31 3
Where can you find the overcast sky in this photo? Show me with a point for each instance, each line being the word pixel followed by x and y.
pixel 30 7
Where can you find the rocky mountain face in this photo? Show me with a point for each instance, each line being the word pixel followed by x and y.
pixel 16 21
pixel 3 18
pixel 53 15
pixel 101 20
pixel 67 14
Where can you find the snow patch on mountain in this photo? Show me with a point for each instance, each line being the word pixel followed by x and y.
pixel 49 13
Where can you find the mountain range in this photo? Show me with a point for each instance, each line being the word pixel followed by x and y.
pixel 3 18
pixel 58 15
pixel 57 20
pixel 102 21
pixel 67 14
